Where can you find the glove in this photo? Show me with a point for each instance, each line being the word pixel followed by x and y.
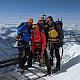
pixel 18 38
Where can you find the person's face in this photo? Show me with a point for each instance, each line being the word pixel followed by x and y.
pixel 49 22
pixel 41 22
pixel 29 23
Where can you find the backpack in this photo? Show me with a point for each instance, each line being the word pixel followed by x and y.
pixel 18 38
pixel 52 35
pixel 59 25
pixel 21 24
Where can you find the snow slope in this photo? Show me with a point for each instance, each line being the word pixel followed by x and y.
pixel 71 64
pixel 70 69
pixel 7 51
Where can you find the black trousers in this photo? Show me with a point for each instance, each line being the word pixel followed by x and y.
pixel 37 53
pixel 24 51
pixel 55 50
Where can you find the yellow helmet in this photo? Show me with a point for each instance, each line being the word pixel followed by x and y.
pixel 34 26
pixel 30 20
pixel 41 18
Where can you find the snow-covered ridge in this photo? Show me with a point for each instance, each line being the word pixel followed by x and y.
pixel 70 64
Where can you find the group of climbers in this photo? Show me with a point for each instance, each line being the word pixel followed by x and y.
pixel 46 33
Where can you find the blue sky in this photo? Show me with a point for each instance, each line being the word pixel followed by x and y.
pixel 16 11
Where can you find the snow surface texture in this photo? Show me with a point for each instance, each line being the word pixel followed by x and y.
pixel 70 64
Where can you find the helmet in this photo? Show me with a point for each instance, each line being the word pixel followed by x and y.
pixel 34 26
pixel 30 20
pixel 49 18
pixel 41 18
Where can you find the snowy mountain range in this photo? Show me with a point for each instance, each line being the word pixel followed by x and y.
pixel 71 27
pixel 9 30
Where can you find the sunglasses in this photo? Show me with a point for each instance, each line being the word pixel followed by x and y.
pixel 40 21
pixel 49 21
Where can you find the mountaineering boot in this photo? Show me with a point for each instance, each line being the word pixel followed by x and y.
pixel 56 69
pixel 42 61
pixel 25 67
pixel 49 72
